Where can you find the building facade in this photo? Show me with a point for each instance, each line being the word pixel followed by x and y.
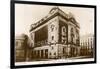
pixel 55 36
pixel 87 45
pixel 22 48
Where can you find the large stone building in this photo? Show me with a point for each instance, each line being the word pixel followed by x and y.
pixel 55 36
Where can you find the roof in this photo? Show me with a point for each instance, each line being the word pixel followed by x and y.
pixel 52 13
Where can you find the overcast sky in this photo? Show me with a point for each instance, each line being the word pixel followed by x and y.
pixel 26 14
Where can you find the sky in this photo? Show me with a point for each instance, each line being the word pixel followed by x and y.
pixel 26 14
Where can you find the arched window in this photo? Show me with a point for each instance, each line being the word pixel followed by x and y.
pixel 63 30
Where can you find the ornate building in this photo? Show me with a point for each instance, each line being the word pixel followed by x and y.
pixel 55 36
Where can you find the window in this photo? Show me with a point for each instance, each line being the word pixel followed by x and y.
pixel 71 30
pixel 63 50
pixel 52 37
pixel 64 41
pixel 63 34
pixel 54 53
pixel 72 35
pixel 52 27
pixel 50 53
pixel 63 30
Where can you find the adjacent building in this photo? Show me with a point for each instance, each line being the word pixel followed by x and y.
pixel 87 45
pixel 22 48
pixel 55 36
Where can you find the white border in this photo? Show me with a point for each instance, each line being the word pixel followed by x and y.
pixel 68 60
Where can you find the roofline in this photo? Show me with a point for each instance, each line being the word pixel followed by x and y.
pixel 48 17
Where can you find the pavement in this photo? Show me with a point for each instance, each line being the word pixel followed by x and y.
pixel 70 58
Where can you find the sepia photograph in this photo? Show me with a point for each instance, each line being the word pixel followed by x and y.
pixel 47 33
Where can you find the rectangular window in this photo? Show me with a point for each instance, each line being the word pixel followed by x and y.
pixel 52 37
